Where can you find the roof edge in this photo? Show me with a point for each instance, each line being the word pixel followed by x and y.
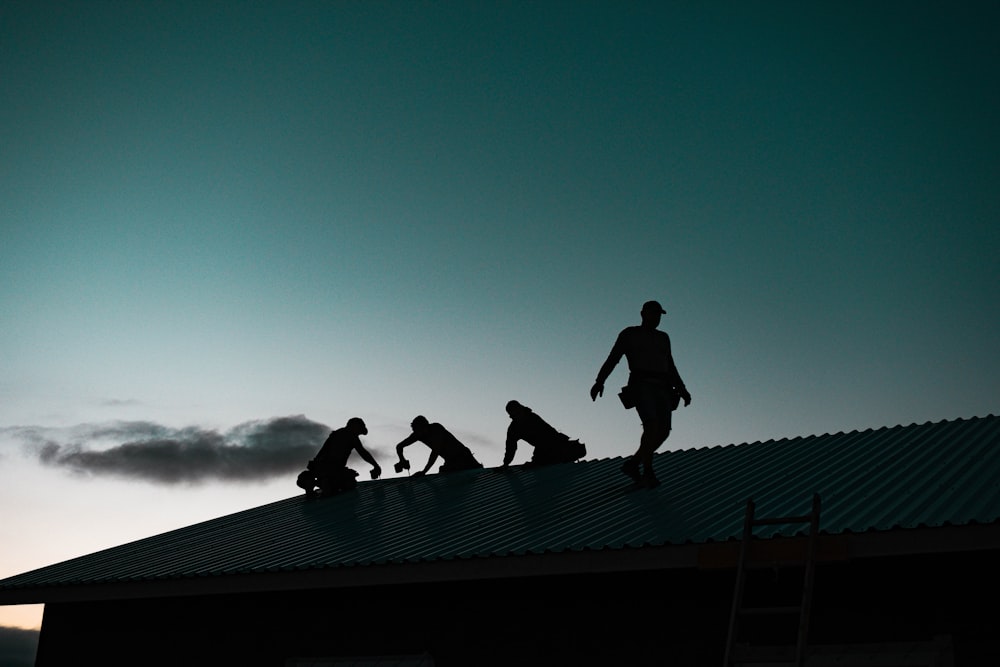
pixel 704 556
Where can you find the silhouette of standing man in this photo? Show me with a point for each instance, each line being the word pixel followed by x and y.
pixel 442 443
pixel 654 387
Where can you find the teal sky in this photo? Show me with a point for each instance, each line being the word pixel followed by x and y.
pixel 218 213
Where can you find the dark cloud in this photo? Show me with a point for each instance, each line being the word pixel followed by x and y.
pixel 18 647
pixel 252 451
pixel 142 450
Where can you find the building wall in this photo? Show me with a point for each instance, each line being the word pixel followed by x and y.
pixel 677 617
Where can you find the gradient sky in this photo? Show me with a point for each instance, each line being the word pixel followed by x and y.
pixel 229 222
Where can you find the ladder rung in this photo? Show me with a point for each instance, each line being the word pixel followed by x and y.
pixel 770 521
pixel 762 611
pixel 764 564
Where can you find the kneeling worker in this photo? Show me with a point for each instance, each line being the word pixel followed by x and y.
pixel 441 442
pixel 550 445
pixel 328 470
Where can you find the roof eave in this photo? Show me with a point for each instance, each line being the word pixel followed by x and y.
pixel 709 555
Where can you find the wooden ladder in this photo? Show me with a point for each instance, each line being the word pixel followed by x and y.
pixel 739 611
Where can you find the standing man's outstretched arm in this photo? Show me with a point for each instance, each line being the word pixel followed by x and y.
pixel 617 351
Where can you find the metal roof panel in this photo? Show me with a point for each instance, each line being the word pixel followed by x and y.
pixel 932 474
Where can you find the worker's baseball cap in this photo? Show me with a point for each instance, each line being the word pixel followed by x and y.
pixel 654 307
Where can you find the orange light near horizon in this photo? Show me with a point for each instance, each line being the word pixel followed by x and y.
pixel 24 616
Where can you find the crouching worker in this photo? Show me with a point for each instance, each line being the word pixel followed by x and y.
pixel 550 445
pixel 328 470
pixel 441 442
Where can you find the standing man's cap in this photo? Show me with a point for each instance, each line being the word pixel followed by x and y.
pixel 653 306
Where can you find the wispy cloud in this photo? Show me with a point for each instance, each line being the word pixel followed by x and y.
pixel 120 403
pixel 251 451
pixel 475 441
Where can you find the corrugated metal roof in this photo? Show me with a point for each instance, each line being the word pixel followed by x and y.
pixel 933 474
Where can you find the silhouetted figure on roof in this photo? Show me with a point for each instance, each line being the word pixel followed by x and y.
pixel 328 470
pixel 442 443
pixel 654 387
pixel 550 445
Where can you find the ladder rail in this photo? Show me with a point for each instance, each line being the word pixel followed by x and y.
pixel 804 608
pixel 807 584
pixel 740 580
